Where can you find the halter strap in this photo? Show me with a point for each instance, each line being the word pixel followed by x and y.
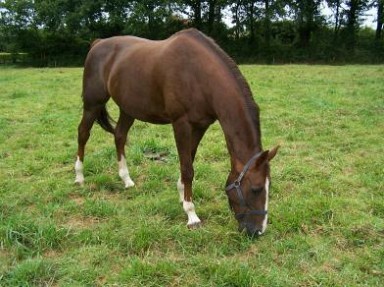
pixel 237 185
pixel 237 182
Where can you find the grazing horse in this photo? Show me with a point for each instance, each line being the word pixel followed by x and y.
pixel 189 82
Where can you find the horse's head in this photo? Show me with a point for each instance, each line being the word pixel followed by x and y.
pixel 248 193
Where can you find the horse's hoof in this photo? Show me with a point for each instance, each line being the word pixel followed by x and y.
pixel 194 225
pixel 129 184
pixel 79 182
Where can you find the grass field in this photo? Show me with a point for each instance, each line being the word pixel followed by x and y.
pixel 326 208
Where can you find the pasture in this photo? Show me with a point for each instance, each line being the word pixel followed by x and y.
pixel 326 206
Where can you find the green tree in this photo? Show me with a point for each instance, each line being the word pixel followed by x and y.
pixel 150 18
pixel 336 7
pixel 353 13
pixel 308 17
pixel 380 18
pixel 16 18
pixel 196 6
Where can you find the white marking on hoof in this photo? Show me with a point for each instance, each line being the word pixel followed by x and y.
pixel 180 188
pixel 79 172
pixel 265 221
pixel 124 174
pixel 193 219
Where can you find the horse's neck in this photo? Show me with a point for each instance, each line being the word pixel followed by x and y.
pixel 241 133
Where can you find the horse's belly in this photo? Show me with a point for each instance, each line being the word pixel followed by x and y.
pixel 145 113
pixel 153 119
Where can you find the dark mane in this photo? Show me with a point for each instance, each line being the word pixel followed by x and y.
pixel 233 68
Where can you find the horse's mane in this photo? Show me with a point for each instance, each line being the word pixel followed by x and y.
pixel 233 68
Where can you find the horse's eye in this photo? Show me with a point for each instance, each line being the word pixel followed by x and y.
pixel 256 190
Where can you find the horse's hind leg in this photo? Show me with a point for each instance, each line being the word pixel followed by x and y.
pixel 123 125
pixel 89 117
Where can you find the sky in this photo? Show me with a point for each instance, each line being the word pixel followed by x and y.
pixel 369 19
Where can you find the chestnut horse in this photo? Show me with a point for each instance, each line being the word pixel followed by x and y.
pixel 189 82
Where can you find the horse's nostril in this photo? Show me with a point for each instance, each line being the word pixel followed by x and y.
pixel 254 233
pixel 250 230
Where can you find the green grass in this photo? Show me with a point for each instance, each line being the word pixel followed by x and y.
pixel 326 208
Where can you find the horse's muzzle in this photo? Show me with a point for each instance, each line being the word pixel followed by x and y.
pixel 250 229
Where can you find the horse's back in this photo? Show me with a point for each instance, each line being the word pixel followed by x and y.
pixel 154 81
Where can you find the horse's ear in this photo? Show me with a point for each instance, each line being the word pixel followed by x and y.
pixel 272 153
pixel 266 156
pixel 262 158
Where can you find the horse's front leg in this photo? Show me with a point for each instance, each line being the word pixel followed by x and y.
pixel 197 134
pixel 122 127
pixel 183 136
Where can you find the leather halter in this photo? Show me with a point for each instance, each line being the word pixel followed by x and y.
pixel 237 185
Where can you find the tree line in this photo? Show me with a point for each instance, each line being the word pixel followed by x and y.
pixel 267 31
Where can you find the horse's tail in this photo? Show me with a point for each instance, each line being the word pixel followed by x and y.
pixel 105 120
pixel 92 98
